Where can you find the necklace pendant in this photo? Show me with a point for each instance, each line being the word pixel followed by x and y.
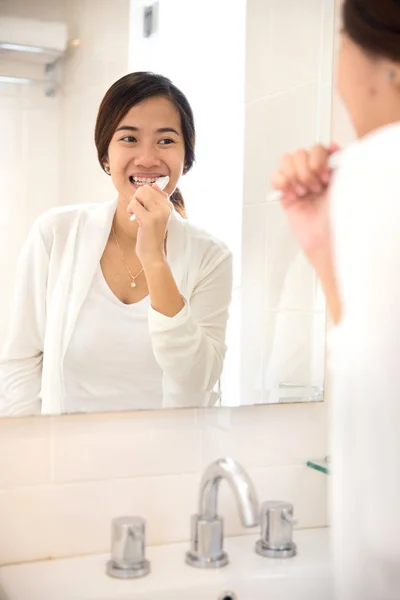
pixel 133 284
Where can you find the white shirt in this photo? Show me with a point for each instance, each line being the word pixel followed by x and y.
pixel 110 364
pixel 54 274
pixel 365 360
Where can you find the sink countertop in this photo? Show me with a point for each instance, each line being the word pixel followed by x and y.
pixel 84 578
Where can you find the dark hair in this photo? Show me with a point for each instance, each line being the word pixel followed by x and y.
pixel 374 25
pixel 131 90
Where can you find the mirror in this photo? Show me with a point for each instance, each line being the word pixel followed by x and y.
pixel 103 313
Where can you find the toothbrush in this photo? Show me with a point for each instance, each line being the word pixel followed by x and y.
pixel 162 183
pixel 334 163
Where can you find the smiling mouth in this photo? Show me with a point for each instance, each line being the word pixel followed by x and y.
pixel 140 181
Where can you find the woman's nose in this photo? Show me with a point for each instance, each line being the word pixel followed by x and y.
pixel 147 156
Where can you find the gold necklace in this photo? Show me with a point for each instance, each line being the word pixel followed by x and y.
pixel 133 277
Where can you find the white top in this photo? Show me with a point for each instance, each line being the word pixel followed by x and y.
pixel 53 278
pixel 110 364
pixel 365 360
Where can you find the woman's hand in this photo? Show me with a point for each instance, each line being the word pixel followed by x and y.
pixel 152 209
pixel 304 179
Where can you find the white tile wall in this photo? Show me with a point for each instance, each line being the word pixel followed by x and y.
pixel 132 447
pixel 47 10
pixel 288 92
pixel 342 129
pixel 276 124
pixel 50 140
pixel 63 479
pixel 294 44
pixel 29 125
pixel 102 26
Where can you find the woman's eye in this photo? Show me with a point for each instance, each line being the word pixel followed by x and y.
pixel 166 142
pixel 128 138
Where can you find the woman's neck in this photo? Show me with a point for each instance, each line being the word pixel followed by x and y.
pixel 125 229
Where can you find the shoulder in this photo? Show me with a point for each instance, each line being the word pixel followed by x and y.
pixel 367 183
pixel 204 246
pixel 372 156
pixel 57 222
pixel 66 215
pixel 365 207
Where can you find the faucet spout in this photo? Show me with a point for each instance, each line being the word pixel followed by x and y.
pixel 207 538
pixel 241 485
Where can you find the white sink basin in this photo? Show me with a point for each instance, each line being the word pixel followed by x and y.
pixel 251 577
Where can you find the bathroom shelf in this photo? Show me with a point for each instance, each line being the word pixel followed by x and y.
pixel 320 464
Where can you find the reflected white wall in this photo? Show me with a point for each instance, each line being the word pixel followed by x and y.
pixel 29 156
pixel 47 151
pixel 288 104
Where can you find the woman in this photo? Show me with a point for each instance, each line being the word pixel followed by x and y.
pixel 113 313
pixel 354 244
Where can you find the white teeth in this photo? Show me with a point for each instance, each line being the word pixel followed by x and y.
pixel 144 180
pixel 161 181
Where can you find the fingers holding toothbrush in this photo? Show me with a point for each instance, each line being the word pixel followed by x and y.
pixel 303 179
pixel 304 175
pixel 160 185
pixel 152 209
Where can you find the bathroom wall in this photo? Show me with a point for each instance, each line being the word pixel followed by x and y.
pixel 29 125
pixel 288 107
pixel 51 139
pixel 63 479
pixel 30 146
pixel 342 129
pixel 45 10
pixel 98 56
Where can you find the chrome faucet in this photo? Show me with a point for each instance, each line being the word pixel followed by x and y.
pixel 207 538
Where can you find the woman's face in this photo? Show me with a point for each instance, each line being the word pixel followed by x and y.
pixel 148 143
pixel 365 88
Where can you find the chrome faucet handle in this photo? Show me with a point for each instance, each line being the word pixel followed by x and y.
pixel 128 545
pixel 276 530
pixel 207 543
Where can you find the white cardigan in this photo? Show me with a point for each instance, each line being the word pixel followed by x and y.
pixel 53 277
pixel 365 370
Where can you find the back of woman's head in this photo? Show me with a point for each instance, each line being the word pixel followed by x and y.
pixel 129 91
pixel 374 25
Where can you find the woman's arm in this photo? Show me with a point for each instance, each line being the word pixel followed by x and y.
pixel 21 357
pixel 164 295
pixel 304 179
pixel 190 347
pixel 323 265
